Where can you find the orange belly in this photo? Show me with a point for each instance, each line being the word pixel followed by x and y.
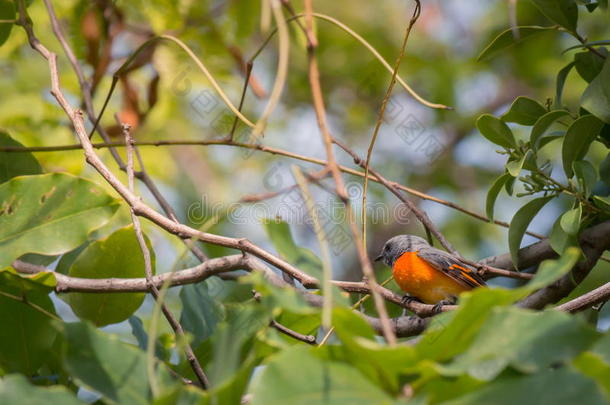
pixel 417 278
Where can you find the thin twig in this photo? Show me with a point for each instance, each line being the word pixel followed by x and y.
pixel 327 296
pixel 386 98
pixel 374 176
pixel 320 110
pixel 178 330
pixel 309 339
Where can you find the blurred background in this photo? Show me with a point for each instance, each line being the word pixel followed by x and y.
pixel 165 97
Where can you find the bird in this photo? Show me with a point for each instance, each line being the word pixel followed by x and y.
pixel 427 274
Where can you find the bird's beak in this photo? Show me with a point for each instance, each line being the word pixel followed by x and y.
pixel 378 258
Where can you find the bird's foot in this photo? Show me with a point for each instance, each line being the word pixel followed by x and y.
pixel 438 307
pixel 406 299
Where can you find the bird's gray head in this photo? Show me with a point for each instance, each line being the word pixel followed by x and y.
pixel 398 245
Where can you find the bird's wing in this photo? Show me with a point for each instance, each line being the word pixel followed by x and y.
pixel 449 265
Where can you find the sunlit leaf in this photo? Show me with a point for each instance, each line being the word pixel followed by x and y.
pixel 49 214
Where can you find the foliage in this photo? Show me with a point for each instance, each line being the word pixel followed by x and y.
pixel 55 213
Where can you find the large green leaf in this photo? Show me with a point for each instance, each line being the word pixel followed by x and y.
pixel 543 123
pixel 525 340
pixel 596 98
pixel 592 365
pixel 14 164
pixel 27 333
pixel 103 363
pixel 562 12
pixel 508 38
pixel 520 222
pixel 16 389
pixel 200 311
pixel 7 12
pixel 496 131
pixel 297 376
pixel 578 139
pixel 553 386
pixel 381 364
pixel 524 111
pixel 49 214
pixel 118 255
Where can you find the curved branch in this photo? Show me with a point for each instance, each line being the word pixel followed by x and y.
pixel 592 298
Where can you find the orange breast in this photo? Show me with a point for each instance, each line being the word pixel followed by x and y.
pixel 417 278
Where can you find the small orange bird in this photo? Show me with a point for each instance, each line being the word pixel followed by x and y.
pixel 425 273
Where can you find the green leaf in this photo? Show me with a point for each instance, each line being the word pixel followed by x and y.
pixel 552 386
pixel 200 311
pixel 137 330
pixel 570 220
pixel 297 376
pixel 103 363
pixel 382 364
pixel 588 65
pixel 550 271
pixel 593 366
pixel 520 222
pixel 7 12
pixel 559 239
pixel 602 348
pixel 492 194
pixel 281 237
pixel 562 12
pixel 578 139
pixel 514 166
pixel 496 131
pixel 13 164
pixel 525 340
pixel 118 256
pixel 542 124
pixel 586 176
pixel 27 333
pixel 561 79
pixel 49 214
pixel 604 170
pixel 596 98
pixel 587 44
pixel 524 111
pixel 507 39
pixel 16 389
